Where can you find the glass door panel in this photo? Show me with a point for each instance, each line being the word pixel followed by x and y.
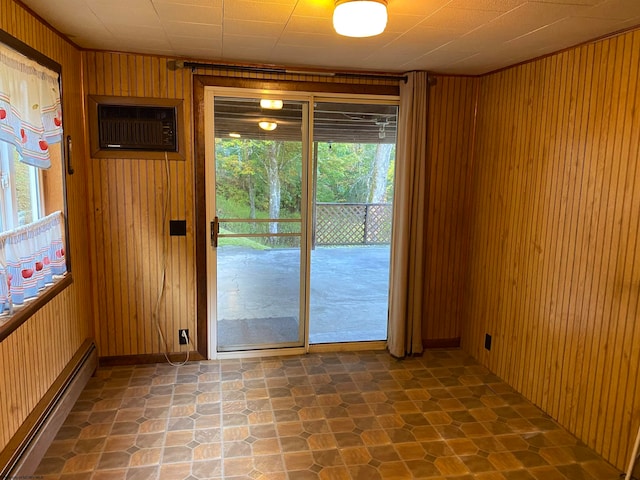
pixel 354 159
pixel 260 157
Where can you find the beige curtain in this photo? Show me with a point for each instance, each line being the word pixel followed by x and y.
pixel 408 256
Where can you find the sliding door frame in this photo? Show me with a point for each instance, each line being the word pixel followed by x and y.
pixel 314 91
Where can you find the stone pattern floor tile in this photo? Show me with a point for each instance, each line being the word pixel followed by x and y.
pixel 352 416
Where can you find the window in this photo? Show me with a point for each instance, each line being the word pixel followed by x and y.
pixel 21 201
pixel 32 227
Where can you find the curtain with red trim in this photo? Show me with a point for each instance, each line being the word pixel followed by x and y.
pixel 30 111
pixel 30 256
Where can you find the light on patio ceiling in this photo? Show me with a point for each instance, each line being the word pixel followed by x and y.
pixel 271 104
pixel 360 18
pixel 268 126
pixel 235 135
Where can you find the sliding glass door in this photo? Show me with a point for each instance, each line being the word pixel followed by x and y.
pixel 257 232
pixel 354 160
pixel 300 192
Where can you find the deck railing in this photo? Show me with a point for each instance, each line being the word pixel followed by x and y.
pixel 353 224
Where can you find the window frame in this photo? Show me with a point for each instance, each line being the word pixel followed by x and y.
pixel 23 312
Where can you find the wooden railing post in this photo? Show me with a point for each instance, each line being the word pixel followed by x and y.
pixel 366 224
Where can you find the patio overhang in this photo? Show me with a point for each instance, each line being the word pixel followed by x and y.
pixel 333 122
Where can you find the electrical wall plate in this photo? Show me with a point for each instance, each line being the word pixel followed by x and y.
pixel 178 228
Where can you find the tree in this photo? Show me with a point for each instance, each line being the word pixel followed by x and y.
pixel 249 181
pixel 342 172
pixel 272 167
pixel 263 178
pixel 235 176
pixel 354 173
pixel 379 173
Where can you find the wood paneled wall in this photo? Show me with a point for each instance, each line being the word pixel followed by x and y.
pixel 450 141
pixel 36 353
pixel 554 264
pixel 129 226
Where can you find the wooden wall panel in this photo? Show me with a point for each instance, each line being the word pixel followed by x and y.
pixel 450 136
pixel 554 263
pixel 129 224
pixel 22 384
pixel 35 354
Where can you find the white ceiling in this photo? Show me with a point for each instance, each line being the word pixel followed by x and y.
pixel 445 36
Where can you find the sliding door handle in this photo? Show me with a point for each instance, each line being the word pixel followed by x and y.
pixel 215 231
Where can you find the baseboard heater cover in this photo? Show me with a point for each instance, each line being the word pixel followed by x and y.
pixel 22 455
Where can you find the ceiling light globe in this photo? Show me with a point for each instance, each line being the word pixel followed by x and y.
pixel 268 126
pixel 360 18
pixel 271 104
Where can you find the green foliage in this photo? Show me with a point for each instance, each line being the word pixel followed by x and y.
pixel 291 178
pixel 233 173
pixel 240 242
pixel 241 166
pixel 391 175
pixel 341 172
pixel 344 172
pixel 244 168
pixel 22 182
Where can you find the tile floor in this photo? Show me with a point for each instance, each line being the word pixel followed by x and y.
pixel 361 416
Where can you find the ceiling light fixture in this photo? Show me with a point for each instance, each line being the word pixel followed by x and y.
pixel 235 135
pixel 268 126
pixel 360 18
pixel 271 104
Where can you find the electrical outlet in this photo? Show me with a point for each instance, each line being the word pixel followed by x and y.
pixel 183 336
pixel 487 341
pixel 178 227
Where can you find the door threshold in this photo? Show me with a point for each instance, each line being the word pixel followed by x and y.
pixel 347 346
pixel 272 352
pixel 315 348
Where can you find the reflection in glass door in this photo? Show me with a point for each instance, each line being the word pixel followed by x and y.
pixel 260 162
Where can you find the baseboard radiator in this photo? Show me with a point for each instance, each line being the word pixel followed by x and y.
pixel 23 453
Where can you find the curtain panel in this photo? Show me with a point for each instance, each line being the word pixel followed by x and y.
pixel 29 258
pixel 410 207
pixel 30 111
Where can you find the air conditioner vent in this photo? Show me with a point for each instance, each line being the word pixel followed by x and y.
pixel 137 127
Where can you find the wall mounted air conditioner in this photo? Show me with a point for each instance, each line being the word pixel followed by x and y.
pixel 135 127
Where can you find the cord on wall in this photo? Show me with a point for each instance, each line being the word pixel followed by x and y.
pixel 163 269
pixel 634 457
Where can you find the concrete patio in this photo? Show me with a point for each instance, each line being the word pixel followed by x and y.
pixel 349 294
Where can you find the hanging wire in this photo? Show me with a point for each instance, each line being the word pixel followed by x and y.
pixel 163 270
